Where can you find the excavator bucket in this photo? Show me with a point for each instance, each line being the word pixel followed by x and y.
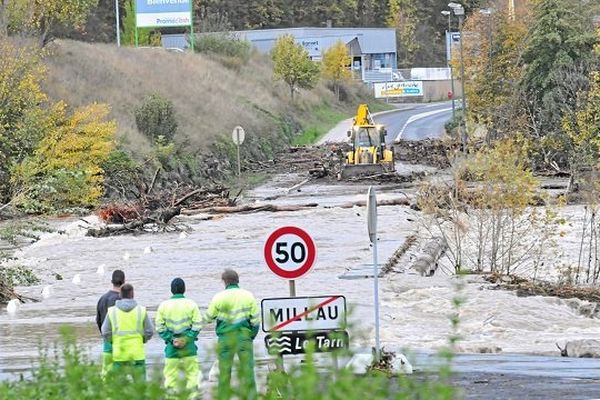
pixel 364 170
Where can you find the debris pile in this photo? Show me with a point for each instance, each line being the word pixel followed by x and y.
pixel 154 212
pixel 435 153
pixel 525 287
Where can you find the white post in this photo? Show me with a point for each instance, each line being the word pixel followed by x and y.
pixel 376 299
pixel 372 228
pixel 117 23
pixel 238 152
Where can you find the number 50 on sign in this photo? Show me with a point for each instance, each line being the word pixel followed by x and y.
pixel 290 252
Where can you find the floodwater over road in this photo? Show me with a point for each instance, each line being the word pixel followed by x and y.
pixel 415 310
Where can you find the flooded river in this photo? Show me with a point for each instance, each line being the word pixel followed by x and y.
pixel 415 309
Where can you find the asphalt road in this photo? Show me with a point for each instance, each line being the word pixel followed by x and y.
pixel 423 121
pixel 521 376
pixel 410 122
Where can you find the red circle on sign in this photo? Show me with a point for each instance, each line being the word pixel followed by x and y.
pixel 311 252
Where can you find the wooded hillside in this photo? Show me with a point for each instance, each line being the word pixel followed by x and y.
pixel 420 41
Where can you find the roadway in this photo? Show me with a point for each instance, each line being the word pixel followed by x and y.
pixel 408 122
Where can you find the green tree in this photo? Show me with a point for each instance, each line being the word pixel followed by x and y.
pixel 557 62
pixel 293 65
pixel 492 70
pixel 23 115
pixel 403 17
pixel 336 65
pixel 128 34
pixel 155 117
pixel 43 16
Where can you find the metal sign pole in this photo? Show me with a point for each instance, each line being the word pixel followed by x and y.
pixel 238 152
pixel 117 23
pixel 376 299
pixel 292 288
pixel 372 229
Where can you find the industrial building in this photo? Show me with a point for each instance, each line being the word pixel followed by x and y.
pixel 373 50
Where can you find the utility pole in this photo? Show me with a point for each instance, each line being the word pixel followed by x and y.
pixel 459 11
pixel 117 24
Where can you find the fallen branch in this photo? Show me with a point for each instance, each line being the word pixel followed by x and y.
pixel 363 203
pixel 249 208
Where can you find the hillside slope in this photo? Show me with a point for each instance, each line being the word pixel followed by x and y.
pixel 209 99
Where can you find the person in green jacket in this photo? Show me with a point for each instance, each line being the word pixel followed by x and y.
pixel 237 316
pixel 178 323
pixel 128 327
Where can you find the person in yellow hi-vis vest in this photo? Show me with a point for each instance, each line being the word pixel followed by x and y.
pixel 178 322
pixel 238 322
pixel 128 327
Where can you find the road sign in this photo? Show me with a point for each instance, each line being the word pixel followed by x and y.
pixel 238 135
pixel 297 342
pixel 303 313
pixel 290 252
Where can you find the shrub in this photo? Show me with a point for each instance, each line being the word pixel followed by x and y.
pixel 156 117
pixel 65 169
pixel 223 45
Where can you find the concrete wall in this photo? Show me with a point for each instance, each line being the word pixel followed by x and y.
pixel 438 90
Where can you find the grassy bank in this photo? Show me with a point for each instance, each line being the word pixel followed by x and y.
pixel 209 98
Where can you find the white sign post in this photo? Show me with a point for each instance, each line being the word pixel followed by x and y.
pixel 290 252
pixel 372 228
pixel 238 135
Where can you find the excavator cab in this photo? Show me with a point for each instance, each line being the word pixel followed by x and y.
pixel 369 153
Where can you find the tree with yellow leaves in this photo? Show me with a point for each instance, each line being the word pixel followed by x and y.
pixel 65 169
pixel 42 16
pixel 336 65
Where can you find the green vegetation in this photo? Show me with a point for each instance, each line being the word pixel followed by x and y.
pixel 72 376
pixel 230 50
pixel 324 118
pixel 292 65
pixel 533 76
pixel 42 17
pixel 155 118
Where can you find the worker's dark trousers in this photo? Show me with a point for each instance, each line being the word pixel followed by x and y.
pixel 229 345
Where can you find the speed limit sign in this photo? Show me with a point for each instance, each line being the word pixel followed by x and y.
pixel 290 252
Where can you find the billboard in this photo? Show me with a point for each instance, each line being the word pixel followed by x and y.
pixel 163 13
pixel 398 89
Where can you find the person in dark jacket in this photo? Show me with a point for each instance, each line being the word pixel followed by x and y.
pixel 107 300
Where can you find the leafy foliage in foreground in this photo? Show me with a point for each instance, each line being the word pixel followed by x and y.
pixel 73 377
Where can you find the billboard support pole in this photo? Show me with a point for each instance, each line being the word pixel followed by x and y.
pixel 192 38
pixel 117 23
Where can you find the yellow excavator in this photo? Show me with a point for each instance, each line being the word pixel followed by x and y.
pixel 369 153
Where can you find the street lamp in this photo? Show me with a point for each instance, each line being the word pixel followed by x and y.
pixel 448 14
pixel 459 11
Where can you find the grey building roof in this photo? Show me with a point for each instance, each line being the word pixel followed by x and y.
pixel 370 40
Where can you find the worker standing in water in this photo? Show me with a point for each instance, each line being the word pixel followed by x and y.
pixel 178 323
pixel 238 322
pixel 128 328
pixel 107 300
